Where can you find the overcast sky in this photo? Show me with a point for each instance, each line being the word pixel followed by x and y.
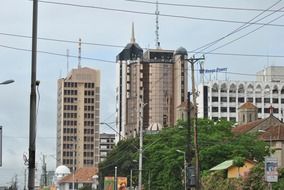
pixel 198 27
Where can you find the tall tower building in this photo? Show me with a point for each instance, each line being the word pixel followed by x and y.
pixel 78 110
pixel 155 80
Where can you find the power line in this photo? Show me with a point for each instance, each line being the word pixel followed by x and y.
pixel 153 14
pixel 232 41
pixel 199 6
pixel 206 46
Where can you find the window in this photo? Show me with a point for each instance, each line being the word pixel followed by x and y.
pixel 258 100
pixel 266 100
pixel 214 98
pixel 275 100
pixel 232 119
pixel 249 99
pixel 214 109
pixel 232 99
pixel 241 99
pixel 223 109
pixel 259 110
pixel 232 109
pixel 223 99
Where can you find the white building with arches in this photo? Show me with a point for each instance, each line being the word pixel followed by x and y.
pixel 221 99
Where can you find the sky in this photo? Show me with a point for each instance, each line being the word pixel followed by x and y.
pixel 102 22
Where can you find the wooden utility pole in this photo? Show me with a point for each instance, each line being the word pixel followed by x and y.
pixel 192 61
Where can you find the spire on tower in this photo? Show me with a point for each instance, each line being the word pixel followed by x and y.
pixel 157 25
pixel 79 53
pixel 132 40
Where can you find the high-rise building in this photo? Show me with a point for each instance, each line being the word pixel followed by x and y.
pixel 156 81
pixel 78 110
pixel 106 144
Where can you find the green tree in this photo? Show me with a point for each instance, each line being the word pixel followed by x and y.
pixel 165 165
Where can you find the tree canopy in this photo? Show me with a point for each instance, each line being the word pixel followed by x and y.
pixel 163 165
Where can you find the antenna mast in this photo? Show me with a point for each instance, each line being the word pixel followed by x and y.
pixel 157 25
pixel 79 54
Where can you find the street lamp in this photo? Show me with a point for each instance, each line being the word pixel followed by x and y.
pixel 7 82
pixel 184 161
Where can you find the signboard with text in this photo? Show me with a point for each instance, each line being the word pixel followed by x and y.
pixel 271 173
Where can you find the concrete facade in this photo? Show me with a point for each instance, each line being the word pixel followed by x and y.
pixel 106 144
pixel 155 80
pixel 78 112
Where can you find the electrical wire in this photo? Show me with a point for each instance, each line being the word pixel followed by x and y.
pixel 153 14
pixel 232 41
pixel 198 6
pixel 242 27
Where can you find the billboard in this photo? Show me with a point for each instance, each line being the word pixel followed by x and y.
pixel 109 183
pixel 271 174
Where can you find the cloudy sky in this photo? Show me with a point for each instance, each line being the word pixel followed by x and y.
pixel 103 25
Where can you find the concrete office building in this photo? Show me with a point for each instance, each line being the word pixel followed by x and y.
pixel 106 144
pixel 221 99
pixel 78 111
pixel 155 80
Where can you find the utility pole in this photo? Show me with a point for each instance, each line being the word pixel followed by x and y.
pixel 115 178
pixel 141 141
pixel 44 170
pixel 25 179
pixel 192 61
pixel 32 136
pixel 188 155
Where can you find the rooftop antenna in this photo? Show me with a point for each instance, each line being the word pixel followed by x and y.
pixel 157 25
pixel 79 54
pixel 67 56
pixel 132 40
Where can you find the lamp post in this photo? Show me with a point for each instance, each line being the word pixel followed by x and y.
pixel 184 161
pixel 7 82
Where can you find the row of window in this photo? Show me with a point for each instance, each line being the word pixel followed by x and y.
pixel 89 131
pixel 89 115
pixel 68 153
pixel 70 107
pixel 89 85
pixel 70 115
pixel 233 110
pixel 89 154
pixel 89 162
pixel 70 84
pixel 89 108
pixel 69 138
pixel 89 100
pixel 89 139
pixel 70 100
pixel 224 109
pixel 89 123
pixel 70 92
pixel 89 93
pixel 70 123
pixel 69 131
pixel 88 146
pixel 224 118
pixel 249 99
pixel 68 161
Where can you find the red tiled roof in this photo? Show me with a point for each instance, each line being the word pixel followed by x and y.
pixel 82 175
pixel 247 127
pixel 248 105
pixel 275 132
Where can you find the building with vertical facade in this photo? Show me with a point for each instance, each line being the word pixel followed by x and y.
pixel 155 80
pixel 221 99
pixel 106 144
pixel 78 110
